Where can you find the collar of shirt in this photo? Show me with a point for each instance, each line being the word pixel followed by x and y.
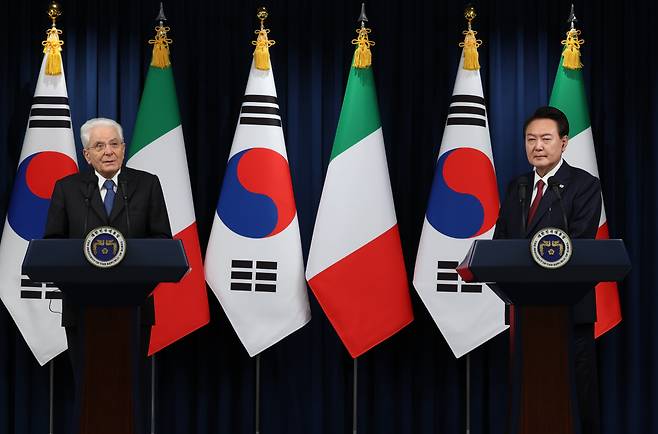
pixel 544 178
pixel 101 181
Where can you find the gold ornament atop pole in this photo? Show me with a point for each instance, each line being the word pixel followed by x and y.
pixel 362 54
pixel 160 57
pixel 471 43
pixel 571 53
pixel 262 43
pixel 52 46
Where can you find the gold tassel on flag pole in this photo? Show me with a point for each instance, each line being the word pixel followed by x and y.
pixel 571 53
pixel 362 54
pixel 52 46
pixel 262 43
pixel 160 58
pixel 471 43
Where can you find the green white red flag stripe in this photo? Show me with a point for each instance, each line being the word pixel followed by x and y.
pixel 158 147
pixel 355 265
pixel 569 96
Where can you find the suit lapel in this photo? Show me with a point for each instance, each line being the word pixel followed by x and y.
pixel 95 197
pixel 125 180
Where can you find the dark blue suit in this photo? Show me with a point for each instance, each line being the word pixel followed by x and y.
pixel 581 199
pixel 75 209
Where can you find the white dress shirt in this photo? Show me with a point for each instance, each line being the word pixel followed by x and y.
pixel 101 182
pixel 544 178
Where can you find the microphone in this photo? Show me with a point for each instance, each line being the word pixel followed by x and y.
pixel 90 186
pixel 554 185
pixel 523 197
pixel 123 185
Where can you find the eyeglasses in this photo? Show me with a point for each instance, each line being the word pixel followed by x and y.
pixel 100 146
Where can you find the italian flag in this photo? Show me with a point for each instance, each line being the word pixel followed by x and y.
pixel 355 265
pixel 569 96
pixel 158 147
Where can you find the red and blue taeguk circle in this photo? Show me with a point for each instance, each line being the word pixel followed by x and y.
pixel 464 198
pixel 33 188
pixel 257 200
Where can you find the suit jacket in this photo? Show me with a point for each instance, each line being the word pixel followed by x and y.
pixel 76 208
pixel 581 199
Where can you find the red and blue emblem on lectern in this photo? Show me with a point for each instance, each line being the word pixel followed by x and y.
pixel 33 188
pixel 257 200
pixel 464 198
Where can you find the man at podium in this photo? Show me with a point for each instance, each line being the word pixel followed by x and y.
pixel 108 194
pixel 555 194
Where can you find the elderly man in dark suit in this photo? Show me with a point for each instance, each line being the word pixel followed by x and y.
pixel 531 204
pixel 108 194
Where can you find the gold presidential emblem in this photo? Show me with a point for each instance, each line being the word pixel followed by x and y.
pixel 551 248
pixel 104 247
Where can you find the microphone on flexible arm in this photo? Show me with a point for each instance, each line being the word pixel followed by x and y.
pixel 523 196
pixel 554 185
pixel 123 185
pixel 90 186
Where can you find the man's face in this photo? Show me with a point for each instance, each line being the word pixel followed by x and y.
pixel 543 145
pixel 105 150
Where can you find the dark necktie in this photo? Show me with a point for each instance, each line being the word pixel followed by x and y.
pixel 535 203
pixel 109 195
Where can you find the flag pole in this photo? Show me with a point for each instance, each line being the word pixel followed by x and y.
pixel 257 396
pixel 153 394
pixel 354 396
pixel 51 414
pixel 468 393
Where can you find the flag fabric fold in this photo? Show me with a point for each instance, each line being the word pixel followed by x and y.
pixel 463 206
pixel 254 261
pixel 158 147
pixel 355 265
pixel 48 154
pixel 569 96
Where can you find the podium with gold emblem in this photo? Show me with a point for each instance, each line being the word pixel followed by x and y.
pixel 541 279
pixel 106 277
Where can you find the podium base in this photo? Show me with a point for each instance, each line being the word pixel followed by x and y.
pixel 542 370
pixel 107 355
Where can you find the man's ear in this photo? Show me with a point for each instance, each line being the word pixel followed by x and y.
pixel 85 153
pixel 565 142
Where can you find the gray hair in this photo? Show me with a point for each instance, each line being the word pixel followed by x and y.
pixel 85 129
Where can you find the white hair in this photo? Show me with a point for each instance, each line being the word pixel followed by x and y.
pixel 85 129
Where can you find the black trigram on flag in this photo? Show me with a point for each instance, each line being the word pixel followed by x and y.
pixel 31 290
pixel 449 281
pixel 50 112
pixel 467 110
pixel 248 275
pixel 260 110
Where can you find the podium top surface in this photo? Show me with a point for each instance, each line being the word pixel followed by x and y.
pixel 146 261
pixel 510 261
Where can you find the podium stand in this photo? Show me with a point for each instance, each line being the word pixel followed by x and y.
pixel 109 297
pixel 542 367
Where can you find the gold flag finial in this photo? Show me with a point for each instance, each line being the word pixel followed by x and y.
pixel 571 52
pixel 262 43
pixel 160 57
pixel 362 53
pixel 471 43
pixel 52 46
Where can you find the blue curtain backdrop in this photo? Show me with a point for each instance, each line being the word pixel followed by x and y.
pixel 410 383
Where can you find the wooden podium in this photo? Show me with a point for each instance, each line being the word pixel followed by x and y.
pixel 108 299
pixel 540 322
